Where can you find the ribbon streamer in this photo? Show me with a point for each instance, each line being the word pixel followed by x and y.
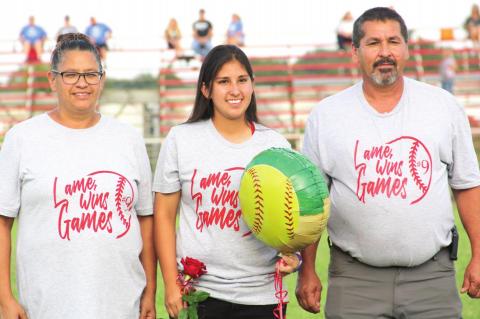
pixel 280 293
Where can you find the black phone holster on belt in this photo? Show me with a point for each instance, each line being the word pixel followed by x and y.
pixel 453 248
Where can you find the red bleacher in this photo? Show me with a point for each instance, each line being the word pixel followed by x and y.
pixel 287 85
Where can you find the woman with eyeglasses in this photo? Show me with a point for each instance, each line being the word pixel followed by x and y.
pixel 79 184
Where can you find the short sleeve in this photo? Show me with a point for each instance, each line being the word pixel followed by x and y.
pixel 463 172
pixel 144 204
pixel 10 175
pixel 167 176
pixel 310 147
pixel 285 143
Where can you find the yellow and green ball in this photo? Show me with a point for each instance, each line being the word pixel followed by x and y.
pixel 284 199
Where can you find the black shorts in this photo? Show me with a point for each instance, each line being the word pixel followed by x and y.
pixel 218 309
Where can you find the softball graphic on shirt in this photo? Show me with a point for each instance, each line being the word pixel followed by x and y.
pixel 100 202
pixel 400 168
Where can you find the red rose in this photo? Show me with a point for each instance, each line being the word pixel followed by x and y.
pixel 193 267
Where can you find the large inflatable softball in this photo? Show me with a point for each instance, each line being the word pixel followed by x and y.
pixel 284 199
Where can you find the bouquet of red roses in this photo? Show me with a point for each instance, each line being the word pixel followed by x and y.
pixel 192 269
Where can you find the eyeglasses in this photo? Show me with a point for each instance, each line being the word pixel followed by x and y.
pixel 70 78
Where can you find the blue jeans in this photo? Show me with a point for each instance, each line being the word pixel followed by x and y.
pixel 201 48
pixel 447 84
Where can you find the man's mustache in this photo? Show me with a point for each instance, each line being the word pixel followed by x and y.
pixel 385 61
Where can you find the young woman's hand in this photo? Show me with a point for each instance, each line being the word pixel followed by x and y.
pixel 11 309
pixel 289 263
pixel 173 301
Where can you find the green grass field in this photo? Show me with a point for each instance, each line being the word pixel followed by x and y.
pixel 471 308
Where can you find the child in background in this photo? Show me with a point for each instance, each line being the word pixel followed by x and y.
pixel 448 66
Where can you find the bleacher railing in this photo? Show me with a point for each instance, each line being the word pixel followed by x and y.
pixel 289 81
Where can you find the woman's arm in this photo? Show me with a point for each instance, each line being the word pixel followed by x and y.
pixel 9 307
pixel 165 208
pixel 149 262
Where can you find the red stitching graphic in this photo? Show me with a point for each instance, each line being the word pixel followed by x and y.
pixel 413 164
pixel 288 214
pixel 413 167
pixel 257 190
pixel 118 200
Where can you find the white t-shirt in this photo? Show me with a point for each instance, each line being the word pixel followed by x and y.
pixel 390 173
pixel 76 194
pixel 345 27
pixel 447 68
pixel 207 169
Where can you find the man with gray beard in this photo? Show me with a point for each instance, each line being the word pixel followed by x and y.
pixel 391 148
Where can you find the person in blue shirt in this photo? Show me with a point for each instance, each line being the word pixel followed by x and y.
pixel 99 33
pixel 235 33
pixel 32 37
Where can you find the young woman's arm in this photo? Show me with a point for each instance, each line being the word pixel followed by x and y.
pixel 165 208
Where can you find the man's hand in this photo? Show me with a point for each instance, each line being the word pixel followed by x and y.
pixel 309 290
pixel 471 279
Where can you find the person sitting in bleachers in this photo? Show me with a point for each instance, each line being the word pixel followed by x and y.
pixel 344 32
pixel 32 37
pixel 472 24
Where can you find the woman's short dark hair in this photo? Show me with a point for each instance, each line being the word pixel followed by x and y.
pixel 377 14
pixel 73 41
pixel 213 62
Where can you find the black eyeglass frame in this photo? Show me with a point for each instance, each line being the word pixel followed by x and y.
pixel 99 76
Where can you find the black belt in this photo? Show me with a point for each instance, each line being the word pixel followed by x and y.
pixel 452 248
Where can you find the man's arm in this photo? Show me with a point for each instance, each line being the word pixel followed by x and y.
pixel 9 307
pixel 468 204
pixel 149 262
pixel 309 287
